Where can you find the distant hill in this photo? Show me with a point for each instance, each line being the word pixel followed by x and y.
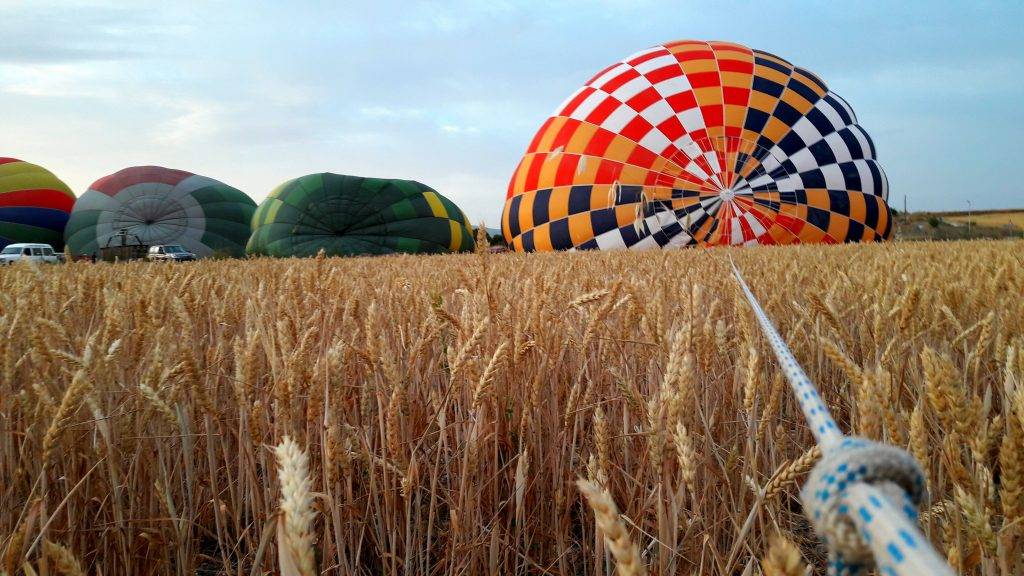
pixel 960 225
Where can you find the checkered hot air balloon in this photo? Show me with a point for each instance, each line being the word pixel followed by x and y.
pixel 352 215
pixel 34 204
pixel 698 143
pixel 161 206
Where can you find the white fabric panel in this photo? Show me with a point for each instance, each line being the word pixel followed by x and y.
pixel 643 53
pixel 834 179
pixel 786 184
pixel 610 240
pixel 691 119
pixel 710 205
pixel 697 171
pixel 587 106
pixel 846 106
pixel 619 118
pixel 673 86
pixel 655 141
pixel 95 200
pixel 645 243
pixel 885 184
pixel 771 162
pixel 754 223
pixel 858 133
pixel 807 132
pixel 867 181
pixel 686 144
pixel 742 187
pixel 839 147
pixel 762 180
pixel 611 74
pixel 712 160
pixel 830 113
pixel 680 240
pixel 631 88
pixel 560 111
pixel 736 231
pixel 657 63
pixel 657 112
pixel 804 160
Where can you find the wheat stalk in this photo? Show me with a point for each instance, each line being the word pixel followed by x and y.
pixel 606 514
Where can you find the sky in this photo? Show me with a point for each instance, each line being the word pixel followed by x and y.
pixel 450 93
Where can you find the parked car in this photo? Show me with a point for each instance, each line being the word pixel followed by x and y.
pixel 23 252
pixel 169 253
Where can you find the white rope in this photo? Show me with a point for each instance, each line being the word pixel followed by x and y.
pixel 862 497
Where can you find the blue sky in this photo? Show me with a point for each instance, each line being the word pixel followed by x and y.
pixel 255 93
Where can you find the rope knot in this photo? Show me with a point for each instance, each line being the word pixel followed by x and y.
pixel 891 470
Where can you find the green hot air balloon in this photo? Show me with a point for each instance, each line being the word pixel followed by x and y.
pixel 351 215
pixel 161 206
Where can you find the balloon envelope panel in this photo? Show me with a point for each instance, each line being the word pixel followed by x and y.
pixel 351 215
pixel 698 143
pixel 162 206
pixel 34 204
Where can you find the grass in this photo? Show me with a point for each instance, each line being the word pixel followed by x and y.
pixel 437 414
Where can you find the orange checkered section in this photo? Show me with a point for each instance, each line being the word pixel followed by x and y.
pixel 697 143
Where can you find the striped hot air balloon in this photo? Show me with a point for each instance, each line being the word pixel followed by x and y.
pixel 34 204
pixel 162 206
pixel 698 143
pixel 351 215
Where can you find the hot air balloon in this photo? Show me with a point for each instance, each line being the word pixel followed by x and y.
pixel 34 204
pixel 698 143
pixel 161 206
pixel 351 215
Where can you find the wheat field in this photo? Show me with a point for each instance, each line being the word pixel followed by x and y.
pixel 994 219
pixel 574 414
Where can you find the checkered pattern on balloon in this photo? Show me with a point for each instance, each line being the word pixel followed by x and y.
pixel 698 143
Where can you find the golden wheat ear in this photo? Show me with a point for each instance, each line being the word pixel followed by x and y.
pixel 627 557
pixel 294 525
pixel 783 559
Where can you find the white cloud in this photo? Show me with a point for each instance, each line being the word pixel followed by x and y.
pixel 49 80
pixel 64 32
pixel 456 129
pixel 455 16
pixel 391 112
pixel 193 120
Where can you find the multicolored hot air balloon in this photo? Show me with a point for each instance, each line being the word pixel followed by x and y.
pixel 34 204
pixel 698 143
pixel 162 206
pixel 351 215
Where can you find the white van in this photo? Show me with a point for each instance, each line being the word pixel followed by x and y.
pixel 29 253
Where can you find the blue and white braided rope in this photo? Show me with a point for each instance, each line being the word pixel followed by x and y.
pixel 863 496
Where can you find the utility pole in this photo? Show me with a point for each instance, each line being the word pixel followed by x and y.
pixel 904 204
pixel 968 217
